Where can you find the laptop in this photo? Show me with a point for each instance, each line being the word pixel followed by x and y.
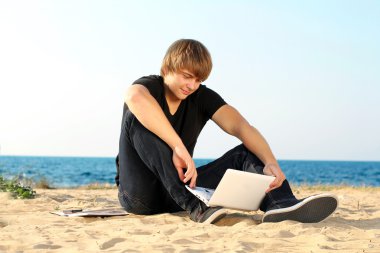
pixel 237 190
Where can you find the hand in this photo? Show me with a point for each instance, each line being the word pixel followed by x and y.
pixel 272 169
pixel 182 160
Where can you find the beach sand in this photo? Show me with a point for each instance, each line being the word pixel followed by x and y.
pixel 27 226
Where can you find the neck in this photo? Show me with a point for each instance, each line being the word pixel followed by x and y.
pixel 172 100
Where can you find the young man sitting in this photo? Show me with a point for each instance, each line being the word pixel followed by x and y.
pixel 162 118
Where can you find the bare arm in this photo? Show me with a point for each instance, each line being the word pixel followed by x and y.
pixel 232 122
pixel 147 110
pixel 149 113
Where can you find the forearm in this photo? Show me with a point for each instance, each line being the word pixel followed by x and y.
pixel 231 121
pixel 256 143
pixel 150 115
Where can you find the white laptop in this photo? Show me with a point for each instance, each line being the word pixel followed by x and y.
pixel 237 190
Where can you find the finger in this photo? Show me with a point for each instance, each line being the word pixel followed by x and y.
pixel 190 167
pixel 280 179
pixel 190 170
pixel 180 174
pixel 188 175
pixel 193 181
pixel 275 184
pixel 271 188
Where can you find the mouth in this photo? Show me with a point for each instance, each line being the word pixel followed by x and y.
pixel 185 92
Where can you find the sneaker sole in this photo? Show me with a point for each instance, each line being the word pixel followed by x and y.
pixel 310 210
pixel 216 216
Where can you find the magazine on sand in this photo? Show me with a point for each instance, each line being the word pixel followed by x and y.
pixel 91 213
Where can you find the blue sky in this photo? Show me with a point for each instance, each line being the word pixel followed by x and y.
pixel 305 73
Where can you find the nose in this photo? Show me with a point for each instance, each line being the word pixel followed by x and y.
pixel 191 84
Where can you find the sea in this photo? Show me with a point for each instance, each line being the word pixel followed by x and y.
pixel 79 171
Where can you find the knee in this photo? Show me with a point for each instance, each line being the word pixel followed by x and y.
pixel 249 156
pixel 147 144
pixel 245 153
pixel 242 148
pixel 239 149
pixel 141 134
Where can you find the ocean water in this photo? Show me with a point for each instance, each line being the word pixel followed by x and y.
pixel 77 171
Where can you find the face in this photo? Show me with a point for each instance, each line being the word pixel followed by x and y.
pixel 181 84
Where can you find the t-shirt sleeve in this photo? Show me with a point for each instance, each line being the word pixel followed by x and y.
pixel 153 84
pixel 210 101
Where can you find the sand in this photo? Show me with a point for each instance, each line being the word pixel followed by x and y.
pixel 27 226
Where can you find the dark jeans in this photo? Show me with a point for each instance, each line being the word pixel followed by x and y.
pixel 149 182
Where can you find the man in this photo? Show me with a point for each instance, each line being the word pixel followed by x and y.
pixel 162 119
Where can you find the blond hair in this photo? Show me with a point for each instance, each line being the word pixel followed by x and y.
pixel 190 55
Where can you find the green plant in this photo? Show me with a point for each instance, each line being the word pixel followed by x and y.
pixel 16 189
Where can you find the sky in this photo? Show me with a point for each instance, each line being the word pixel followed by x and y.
pixel 306 74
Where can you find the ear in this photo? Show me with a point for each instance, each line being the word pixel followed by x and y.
pixel 164 71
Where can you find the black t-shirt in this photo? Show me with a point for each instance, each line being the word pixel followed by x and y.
pixel 192 113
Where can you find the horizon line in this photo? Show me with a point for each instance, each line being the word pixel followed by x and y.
pixel 208 158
